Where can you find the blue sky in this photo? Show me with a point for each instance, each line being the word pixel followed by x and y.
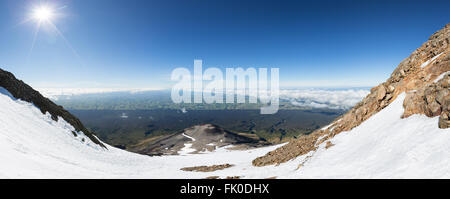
pixel 137 43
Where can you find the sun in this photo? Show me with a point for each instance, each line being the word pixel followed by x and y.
pixel 43 14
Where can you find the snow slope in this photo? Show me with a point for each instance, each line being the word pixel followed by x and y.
pixel 32 145
pixel 385 146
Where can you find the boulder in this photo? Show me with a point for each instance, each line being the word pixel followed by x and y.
pixel 381 92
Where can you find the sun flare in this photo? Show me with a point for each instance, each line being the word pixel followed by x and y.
pixel 43 13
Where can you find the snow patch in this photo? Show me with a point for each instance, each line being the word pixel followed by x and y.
pixel 187 149
pixel 193 139
pixel 326 127
pixel 441 76
pixel 430 61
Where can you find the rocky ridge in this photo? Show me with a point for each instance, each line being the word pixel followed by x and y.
pixel 21 90
pixel 425 78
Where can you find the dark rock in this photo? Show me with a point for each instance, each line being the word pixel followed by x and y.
pixel 206 137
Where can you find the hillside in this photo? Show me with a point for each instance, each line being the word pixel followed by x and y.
pixel 423 76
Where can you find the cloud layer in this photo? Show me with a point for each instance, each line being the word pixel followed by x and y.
pixel 324 98
pixel 311 98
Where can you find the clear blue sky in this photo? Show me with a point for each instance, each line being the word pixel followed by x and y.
pixel 137 43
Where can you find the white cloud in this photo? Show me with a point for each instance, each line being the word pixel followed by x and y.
pixel 314 98
pixel 54 93
pixel 324 98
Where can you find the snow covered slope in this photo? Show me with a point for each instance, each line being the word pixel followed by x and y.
pixel 422 77
pixel 385 146
pixel 33 145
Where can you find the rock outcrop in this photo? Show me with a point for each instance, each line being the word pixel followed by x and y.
pixel 423 76
pixel 206 137
pixel 431 100
pixel 207 168
pixel 21 90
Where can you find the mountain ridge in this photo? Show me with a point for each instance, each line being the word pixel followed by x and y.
pixel 423 76
pixel 23 91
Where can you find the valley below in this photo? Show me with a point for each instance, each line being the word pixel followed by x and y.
pixel 128 129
